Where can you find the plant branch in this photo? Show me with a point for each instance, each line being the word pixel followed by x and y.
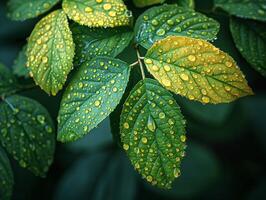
pixel 140 64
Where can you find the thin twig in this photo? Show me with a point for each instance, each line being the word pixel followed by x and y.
pixel 134 64
pixel 140 64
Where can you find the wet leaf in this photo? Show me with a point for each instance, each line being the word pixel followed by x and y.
pixel 92 42
pixel 196 69
pixel 50 52
pixel 153 133
pixel 91 96
pixel 250 39
pixel 143 3
pixel 26 9
pixel 6 177
pixel 27 133
pixel 244 8
pixel 19 67
pixel 97 13
pixel 161 21
pixel 8 82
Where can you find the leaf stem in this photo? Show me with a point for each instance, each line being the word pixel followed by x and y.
pixel 140 64
pixel 134 64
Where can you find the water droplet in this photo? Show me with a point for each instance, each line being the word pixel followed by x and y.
pixel 183 138
pixel 205 99
pixel 41 119
pixel 228 64
pixel 125 146
pixel 44 59
pixel 144 140
pixel 151 124
pixel 192 58
pixel 167 68
pixel 148 61
pixel 166 82
pixel 88 9
pixel 126 125
pixel 107 6
pixel 161 115
pixel 149 178
pixel 184 77
pixel 160 32
pixel 97 103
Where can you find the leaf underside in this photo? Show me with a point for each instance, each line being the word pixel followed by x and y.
pixel 250 39
pixel 158 22
pixel 6 177
pixel 50 52
pixel 152 133
pixel 196 69
pixel 101 13
pixel 27 133
pixel 91 96
pixel 26 9
pixel 251 9
pixel 92 42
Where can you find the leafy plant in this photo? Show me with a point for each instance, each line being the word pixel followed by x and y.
pixel 173 44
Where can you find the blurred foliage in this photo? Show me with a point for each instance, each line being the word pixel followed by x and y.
pixel 226 156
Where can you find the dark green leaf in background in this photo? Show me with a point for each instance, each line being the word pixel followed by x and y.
pixel 19 67
pixel 93 93
pixel 153 133
pixel 99 176
pixel 8 82
pixel 92 42
pixel 26 9
pixel 143 3
pixel 6 177
pixel 27 133
pixel 162 21
pixel 251 9
pixel 186 3
pixel 250 39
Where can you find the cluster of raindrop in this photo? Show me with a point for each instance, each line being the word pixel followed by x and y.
pixel 26 133
pixel 98 13
pixel 196 69
pixel 92 42
pixel 29 9
pixel 152 133
pixel 91 96
pixel 173 20
pixel 50 52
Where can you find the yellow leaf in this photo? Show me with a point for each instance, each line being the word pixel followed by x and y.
pixel 97 13
pixel 196 69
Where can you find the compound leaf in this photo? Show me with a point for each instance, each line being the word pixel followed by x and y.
pixel 250 39
pixel 153 133
pixel 244 8
pixel 19 67
pixel 143 3
pixel 27 133
pixel 8 82
pixel 91 96
pixel 26 9
pixel 6 177
pixel 92 42
pixel 161 21
pixel 196 69
pixel 50 52
pixel 97 13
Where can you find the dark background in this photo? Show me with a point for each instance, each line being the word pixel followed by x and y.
pixel 226 155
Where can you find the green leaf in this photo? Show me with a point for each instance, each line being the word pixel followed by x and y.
pixel 93 93
pixel 19 67
pixel 153 133
pixel 27 133
pixel 92 42
pixel 109 173
pixel 8 82
pixel 244 8
pixel 161 21
pixel 97 13
pixel 26 9
pixel 50 52
pixel 6 177
pixel 196 69
pixel 143 3
pixel 250 39
pixel 186 3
